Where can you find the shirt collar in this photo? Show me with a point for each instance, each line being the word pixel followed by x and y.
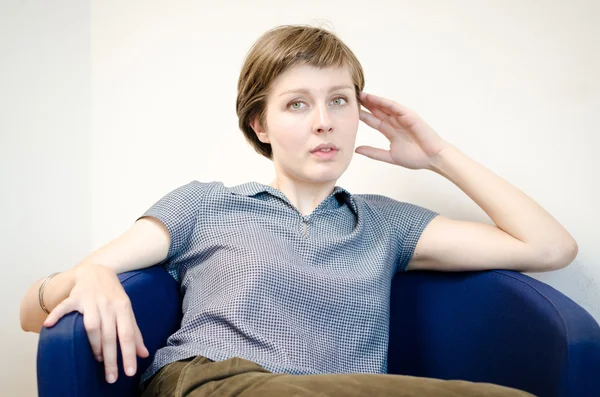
pixel 254 188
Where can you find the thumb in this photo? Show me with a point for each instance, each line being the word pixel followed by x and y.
pixel 140 348
pixel 375 154
pixel 66 306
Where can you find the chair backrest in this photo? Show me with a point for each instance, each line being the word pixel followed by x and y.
pixel 497 326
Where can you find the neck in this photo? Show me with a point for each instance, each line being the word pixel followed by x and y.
pixel 305 196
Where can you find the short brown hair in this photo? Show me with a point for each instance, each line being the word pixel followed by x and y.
pixel 276 51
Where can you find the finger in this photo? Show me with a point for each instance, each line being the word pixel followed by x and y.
pixel 370 119
pixel 377 111
pixel 93 327
pixel 141 348
pixel 125 329
pixel 375 154
pixel 109 346
pixel 383 116
pixel 376 123
pixel 65 307
pixel 386 105
pixel 373 108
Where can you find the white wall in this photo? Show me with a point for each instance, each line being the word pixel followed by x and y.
pixel 513 85
pixel 45 162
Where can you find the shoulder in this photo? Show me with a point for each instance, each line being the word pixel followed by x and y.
pixel 399 216
pixel 188 194
pixel 387 205
pixel 198 188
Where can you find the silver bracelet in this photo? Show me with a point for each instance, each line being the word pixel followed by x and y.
pixel 41 291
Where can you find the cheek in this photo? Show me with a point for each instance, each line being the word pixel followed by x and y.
pixel 349 124
pixel 288 133
pixel 286 137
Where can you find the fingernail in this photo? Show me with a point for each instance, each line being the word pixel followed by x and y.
pixel 130 371
pixel 111 378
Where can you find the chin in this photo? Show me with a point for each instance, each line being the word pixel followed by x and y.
pixel 324 177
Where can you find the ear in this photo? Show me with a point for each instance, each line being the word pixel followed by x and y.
pixel 260 131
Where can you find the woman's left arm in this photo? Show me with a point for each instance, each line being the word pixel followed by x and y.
pixel 526 237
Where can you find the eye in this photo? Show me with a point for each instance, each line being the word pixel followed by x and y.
pixel 295 105
pixel 339 101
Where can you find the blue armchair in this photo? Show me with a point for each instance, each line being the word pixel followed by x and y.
pixel 496 326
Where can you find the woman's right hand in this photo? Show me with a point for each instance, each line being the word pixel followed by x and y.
pixel 99 296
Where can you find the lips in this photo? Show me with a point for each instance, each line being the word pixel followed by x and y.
pixel 330 146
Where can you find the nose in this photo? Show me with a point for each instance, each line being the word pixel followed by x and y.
pixel 322 121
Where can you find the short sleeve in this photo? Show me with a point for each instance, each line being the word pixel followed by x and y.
pixel 178 211
pixel 406 223
pixel 413 221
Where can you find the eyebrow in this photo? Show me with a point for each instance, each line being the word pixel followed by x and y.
pixel 305 91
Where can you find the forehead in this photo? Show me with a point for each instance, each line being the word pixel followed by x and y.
pixel 311 78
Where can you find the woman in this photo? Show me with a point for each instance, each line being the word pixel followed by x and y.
pixel 287 285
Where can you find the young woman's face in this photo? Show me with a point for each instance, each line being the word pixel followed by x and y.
pixel 308 107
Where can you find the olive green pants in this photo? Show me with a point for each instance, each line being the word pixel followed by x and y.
pixel 199 377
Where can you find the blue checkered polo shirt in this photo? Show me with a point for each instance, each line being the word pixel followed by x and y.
pixel 295 294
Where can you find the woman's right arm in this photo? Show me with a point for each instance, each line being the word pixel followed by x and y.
pixel 93 288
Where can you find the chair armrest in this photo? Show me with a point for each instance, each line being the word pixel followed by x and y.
pixel 498 326
pixel 65 363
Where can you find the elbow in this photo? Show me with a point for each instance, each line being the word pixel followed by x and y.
pixel 558 256
pixel 23 319
pixel 24 325
pixel 22 316
pixel 567 253
pixel 26 320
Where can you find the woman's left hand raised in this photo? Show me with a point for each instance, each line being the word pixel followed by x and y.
pixel 413 143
